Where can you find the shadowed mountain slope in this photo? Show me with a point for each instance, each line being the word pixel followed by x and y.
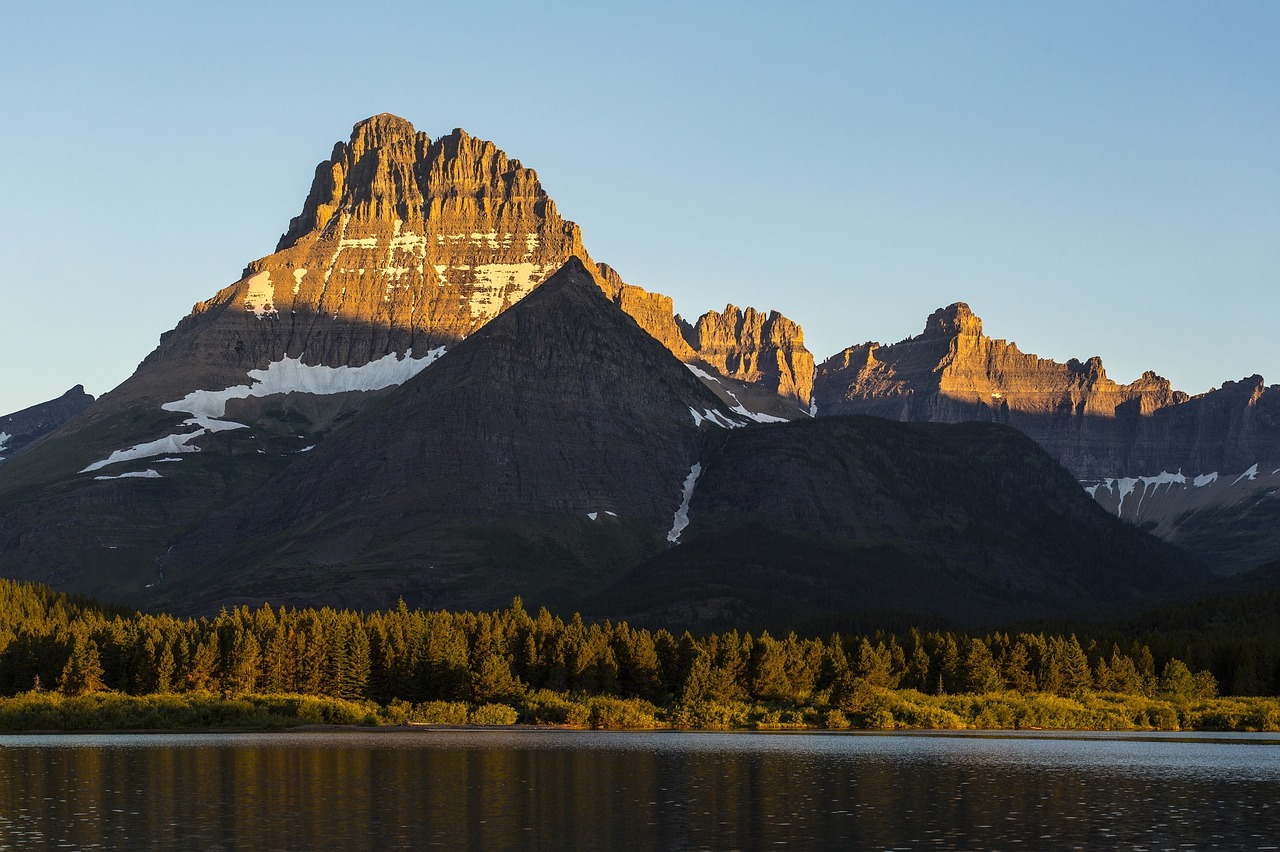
pixel 1202 471
pixel 561 418
pixel 23 429
pixel 888 522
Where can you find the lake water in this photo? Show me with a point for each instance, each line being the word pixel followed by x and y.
pixel 552 789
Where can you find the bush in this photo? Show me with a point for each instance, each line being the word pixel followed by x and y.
pixel 493 714
pixel 607 712
pixel 440 713
pixel 545 707
pixel 835 720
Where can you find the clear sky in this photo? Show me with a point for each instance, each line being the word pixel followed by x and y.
pixel 1092 178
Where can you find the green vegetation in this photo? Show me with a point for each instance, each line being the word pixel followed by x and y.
pixel 69 665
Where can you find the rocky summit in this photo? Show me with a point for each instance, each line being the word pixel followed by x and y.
pixel 1144 450
pixel 406 245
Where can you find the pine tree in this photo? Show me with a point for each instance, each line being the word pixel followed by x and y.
pixel 981 674
pixel 1016 669
pixel 83 672
pixel 768 671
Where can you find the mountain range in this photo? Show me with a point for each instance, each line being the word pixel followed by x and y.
pixel 430 391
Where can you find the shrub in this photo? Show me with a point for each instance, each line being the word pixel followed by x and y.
pixel 493 714
pixel 607 712
pixel 835 720
pixel 440 713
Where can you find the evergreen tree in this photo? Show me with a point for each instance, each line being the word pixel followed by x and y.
pixel 83 672
pixel 981 674
pixel 768 670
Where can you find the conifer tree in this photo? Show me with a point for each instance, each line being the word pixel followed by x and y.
pixel 83 672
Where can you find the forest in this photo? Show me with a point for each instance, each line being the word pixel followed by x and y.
pixel 69 662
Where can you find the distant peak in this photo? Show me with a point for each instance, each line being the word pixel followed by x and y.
pixel 383 122
pixel 955 319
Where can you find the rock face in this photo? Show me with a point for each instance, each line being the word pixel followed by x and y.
pixel 757 348
pixel 952 372
pixel 561 411
pixel 1106 433
pixel 404 244
pixel 22 429
pixel 563 426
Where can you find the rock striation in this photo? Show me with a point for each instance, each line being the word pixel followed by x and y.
pixel 952 372
pixel 758 348
pixel 406 243
pixel 1143 438
pixel 559 411
pixel 969 522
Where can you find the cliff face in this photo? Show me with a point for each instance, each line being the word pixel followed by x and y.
pixel 408 244
pixel 1146 452
pixel 758 348
pixel 952 372
pixel 405 247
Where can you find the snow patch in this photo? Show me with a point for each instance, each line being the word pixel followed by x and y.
pixel 611 514
pixel 1251 474
pixel 207 408
pixel 409 241
pixel 1092 490
pixel 495 283
pixel 737 407
pixel 4 439
pixel 1154 482
pixel 1126 485
pixel 1205 479
pixel 715 418
pixel 364 243
pixel 593 515
pixel 297 279
pixel 168 444
pixel 291 375
pixel 260 300
pixel 307 449
pixel 681 519
pixel 701 373
pixel 136 474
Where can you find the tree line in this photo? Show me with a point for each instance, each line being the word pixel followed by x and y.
pixel 50 641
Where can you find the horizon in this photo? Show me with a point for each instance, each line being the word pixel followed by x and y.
pixel 1090 180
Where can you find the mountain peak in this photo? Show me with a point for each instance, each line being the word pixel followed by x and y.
pixel 955 319
pixel 377 129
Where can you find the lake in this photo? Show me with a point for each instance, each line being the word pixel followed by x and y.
pixel 553 789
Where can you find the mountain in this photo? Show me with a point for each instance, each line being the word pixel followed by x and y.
pixel 431 391
pixel 544 450
pixel 404 248
pixel 872 522
pixel 1144 450
pixel 22 429
pixel 563 453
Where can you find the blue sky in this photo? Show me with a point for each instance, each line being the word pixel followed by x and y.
pixel 1092 178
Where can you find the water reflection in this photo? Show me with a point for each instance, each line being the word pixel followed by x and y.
pixel 558 789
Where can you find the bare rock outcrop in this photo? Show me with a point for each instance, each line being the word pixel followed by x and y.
pixel 405 243
pixel 1098 428
pixel 758 348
